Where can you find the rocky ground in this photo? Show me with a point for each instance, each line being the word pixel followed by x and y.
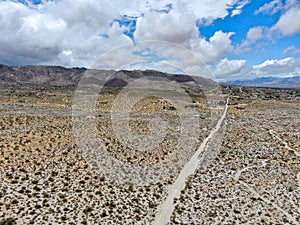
pixel 254 177
pixel 46 180
pixel 251 175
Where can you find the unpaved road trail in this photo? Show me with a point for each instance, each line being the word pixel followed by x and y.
pixel 166 209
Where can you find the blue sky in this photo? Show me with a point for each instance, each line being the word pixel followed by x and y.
pixel 234 38
pixel 240 24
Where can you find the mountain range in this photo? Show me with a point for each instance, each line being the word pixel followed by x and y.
pixel 275 82
pixel 61 76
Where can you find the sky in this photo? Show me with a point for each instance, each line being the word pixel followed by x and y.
pixel 234 39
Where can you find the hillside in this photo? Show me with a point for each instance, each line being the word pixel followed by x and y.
pixel 60 76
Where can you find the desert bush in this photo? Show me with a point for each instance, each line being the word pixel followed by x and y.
pixel 8 221
pixel 87 210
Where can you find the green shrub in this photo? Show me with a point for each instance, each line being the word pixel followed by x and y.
pixel 8 221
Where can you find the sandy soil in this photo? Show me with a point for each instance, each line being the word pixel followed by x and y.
pixel 249 175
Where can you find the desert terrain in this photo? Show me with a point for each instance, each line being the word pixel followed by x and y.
pixel 247 174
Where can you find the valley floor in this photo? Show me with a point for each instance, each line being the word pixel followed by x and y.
pixel 249 172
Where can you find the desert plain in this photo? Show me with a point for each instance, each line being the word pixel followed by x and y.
pixel 248 174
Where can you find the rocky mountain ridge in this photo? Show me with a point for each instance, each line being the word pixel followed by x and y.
pixel 61 76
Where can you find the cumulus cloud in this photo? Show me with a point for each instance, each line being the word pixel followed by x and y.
pixel 290 14
pixel 276 67
pixel 227 67
pixel 276 6
pixel 172 27
pixel 207 11
pixel 254 35
pixel 21 38
pixel 238 9
pixel 80 32
pixel 85 13
pixel 279 67
pixel 288 23
pixel 48 36
pixel 216 9
pixel 270 7
pixel 159 55
pixel 179 28
pixel 77 32
pixel 211 51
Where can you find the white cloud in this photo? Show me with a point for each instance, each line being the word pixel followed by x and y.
pixel 290 15
pixel 78 32
pixel 228 67
pixel 291 49
pixel 144 54
pixel 254 35
pixel 178 26
pixel 172 27
pixel 288 23
pixel 209 10
pixel 43 35
pixel 211 51
pixel 277 67
pixel 275 63
pixel 86 13
pixel 239 7
pixel 270 7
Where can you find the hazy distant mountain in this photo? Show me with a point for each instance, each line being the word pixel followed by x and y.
pixel 276 82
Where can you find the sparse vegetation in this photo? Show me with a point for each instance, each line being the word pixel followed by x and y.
pixel 47 179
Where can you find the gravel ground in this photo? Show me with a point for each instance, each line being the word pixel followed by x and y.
pixel 248 176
